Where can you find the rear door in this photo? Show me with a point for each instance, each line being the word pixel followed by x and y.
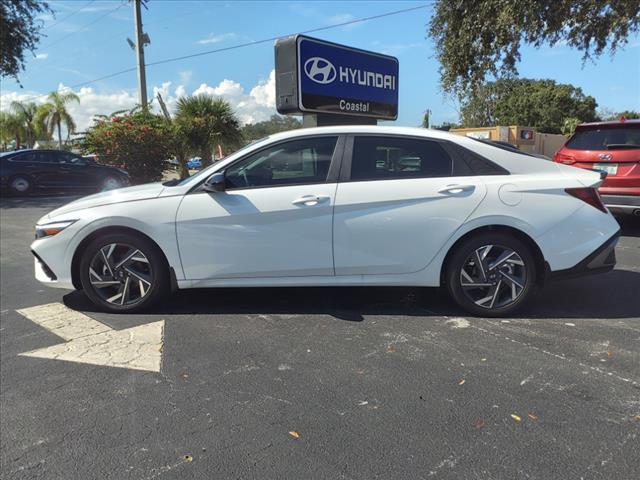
pixel 398 201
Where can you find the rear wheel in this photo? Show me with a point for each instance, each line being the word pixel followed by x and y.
pixel 123 273
pixel 111 183
pixel 20 185
pixel 491 274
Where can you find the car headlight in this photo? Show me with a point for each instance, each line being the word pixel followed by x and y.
pixel 51 229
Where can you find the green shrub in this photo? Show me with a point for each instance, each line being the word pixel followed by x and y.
pixel 139 142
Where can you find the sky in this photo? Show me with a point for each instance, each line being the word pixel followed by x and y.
pixel 87 40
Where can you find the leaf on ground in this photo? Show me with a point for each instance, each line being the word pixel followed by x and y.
pixel 391 349
pixel 479 424
pixel 532 416
pixel 637 418
pixel 461 382
pixel 188 458
pixel 516 417
pixel 294 434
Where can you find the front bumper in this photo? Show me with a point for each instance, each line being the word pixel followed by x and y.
pixel 622 204
pixel 602 260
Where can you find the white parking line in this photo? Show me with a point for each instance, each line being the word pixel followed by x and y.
pixel 92 342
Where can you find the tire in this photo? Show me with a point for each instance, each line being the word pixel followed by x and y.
pixel 504 281
pixel 141 281
pixel 110 183
pixel 21 185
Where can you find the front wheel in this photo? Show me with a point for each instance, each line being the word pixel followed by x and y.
pixel 491 274
pixel 123 273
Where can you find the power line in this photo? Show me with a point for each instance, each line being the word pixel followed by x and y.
pixel 83 27
pixel 69 16
pixel 272 39
pixel 241 45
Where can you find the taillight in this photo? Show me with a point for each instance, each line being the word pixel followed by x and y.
pixel 564 158
pixel 588 195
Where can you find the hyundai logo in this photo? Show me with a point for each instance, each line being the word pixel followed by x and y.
pixel 605 156
pixel 320 70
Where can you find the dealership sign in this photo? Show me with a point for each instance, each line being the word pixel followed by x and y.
pixel 314 76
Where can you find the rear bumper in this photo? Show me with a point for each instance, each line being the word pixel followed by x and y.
pixel 622 204
pixel 601 260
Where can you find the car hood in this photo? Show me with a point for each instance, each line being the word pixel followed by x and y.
pixel 129 194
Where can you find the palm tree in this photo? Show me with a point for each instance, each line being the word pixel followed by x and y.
pixel 33 128
pixel 11 128
pixel 207 121
pixel 54 113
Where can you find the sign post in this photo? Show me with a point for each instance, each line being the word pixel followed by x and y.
pixel 331 84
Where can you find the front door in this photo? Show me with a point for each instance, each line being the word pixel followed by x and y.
pixel 400 201
pixel 273 219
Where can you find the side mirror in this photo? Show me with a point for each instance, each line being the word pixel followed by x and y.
pixel 215 183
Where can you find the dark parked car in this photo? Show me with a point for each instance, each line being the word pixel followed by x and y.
pixel 25 171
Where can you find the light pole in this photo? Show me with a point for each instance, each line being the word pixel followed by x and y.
pixel 139 46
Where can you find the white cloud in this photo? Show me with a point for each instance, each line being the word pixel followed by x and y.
pixel 256 105
pixel 42 56
pixel 342 18
pixel 185 76
pixel 216 38
pixel 180 91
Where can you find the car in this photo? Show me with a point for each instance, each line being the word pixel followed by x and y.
pixel 331 206
pixel 194 163
pixel 612 147
pixel 26 171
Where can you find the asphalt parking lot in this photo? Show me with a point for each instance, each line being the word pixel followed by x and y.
pixel 324 383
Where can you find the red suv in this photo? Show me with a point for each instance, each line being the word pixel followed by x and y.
pixel 612 147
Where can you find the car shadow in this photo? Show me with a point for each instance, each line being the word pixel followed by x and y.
pixel 612 295
pixel 629 226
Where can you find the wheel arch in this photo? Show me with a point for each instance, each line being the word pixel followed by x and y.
pixel 540 262
pixel 77 254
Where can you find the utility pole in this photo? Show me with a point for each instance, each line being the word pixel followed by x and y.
pixel 142 77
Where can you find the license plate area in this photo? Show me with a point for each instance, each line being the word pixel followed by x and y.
pixel 609 168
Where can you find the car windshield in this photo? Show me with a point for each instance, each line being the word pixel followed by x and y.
pixel 207 171
pixel 606 138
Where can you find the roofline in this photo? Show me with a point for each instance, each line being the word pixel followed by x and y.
pixel 609 123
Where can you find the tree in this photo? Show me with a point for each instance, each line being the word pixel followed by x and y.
pixel 277 123
pixel 139 141
pixel 475 39
pixel 569 125
pixel 543 104
pixel 19 32
pixel 609 114
pixel 54 113
pixel 208 121
pixel 11 129
pixel 34 127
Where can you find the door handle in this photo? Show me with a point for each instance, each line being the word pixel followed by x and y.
pixel 310 200
pixel 457 189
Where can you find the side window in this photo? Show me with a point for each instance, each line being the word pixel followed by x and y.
pixel 48 157
pixel 24 157
pixel 70 158
pixel 379 158
pixel 304 161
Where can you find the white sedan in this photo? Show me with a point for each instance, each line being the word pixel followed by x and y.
pixel 330 206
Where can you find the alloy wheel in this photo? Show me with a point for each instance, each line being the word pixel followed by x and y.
pixel 120 274
pixel 111 184
pixel 20 185
pixel 493 276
